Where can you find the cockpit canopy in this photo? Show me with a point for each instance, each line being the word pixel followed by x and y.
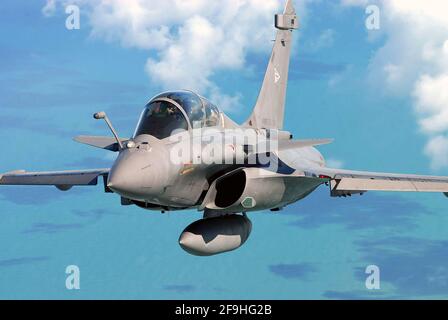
pixel 174 111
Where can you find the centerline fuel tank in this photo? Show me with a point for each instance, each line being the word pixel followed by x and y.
pixel 212 236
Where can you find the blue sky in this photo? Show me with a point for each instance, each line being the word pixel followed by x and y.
pixel 52 80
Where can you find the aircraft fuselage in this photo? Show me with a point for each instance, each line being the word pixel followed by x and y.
pixel 176 172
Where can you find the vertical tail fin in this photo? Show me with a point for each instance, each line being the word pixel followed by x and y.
pixel 269 110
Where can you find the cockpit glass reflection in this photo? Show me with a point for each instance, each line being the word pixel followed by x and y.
pixel 186 110
pixel 191 103
pixel 160 119
pixel 200 112
pixel 211 114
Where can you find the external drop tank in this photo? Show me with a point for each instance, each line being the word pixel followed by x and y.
pixel 212 236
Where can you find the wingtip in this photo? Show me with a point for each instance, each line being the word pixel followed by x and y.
pixel 77 138
pixel 325 141
pixel 11 173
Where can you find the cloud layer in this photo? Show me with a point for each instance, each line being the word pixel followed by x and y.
pixel 190 41
pixel 414 62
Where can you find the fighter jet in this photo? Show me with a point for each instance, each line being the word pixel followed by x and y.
pixel 187 154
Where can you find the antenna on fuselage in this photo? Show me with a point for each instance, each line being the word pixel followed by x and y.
pixel 103 116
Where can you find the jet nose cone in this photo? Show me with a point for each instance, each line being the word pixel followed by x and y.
pixel 140 173
pixel 118 182
pixel 127 176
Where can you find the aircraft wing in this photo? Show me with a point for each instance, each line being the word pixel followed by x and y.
pixel 294 144
pixel 347 182
pixel 63 180
pixel 283 145
pixel 107 143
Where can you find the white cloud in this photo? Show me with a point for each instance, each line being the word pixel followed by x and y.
pixel 190 40
pixel 414 62
pixel 414 47
pixel 437 149
pixel 431 93
pixel 324 40
pixel 50 8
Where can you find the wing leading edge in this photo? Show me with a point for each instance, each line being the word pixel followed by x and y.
pixel 347 182
pixel 63 180
pixel 107 143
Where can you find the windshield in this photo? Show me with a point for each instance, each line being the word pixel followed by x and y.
pixel 211 114
pixel 191 103
pixel 200 111
pixel 160 119
pixel 177 110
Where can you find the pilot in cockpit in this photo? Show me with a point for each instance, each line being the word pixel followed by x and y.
pixel 174 111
